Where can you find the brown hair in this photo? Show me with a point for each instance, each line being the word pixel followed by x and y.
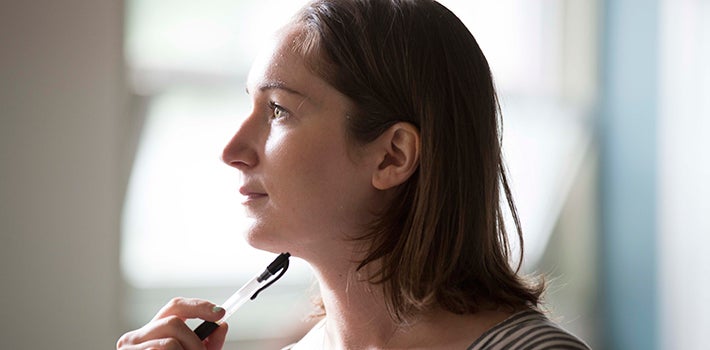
pixel 442 241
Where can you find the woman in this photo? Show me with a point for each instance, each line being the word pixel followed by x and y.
pixel 372 151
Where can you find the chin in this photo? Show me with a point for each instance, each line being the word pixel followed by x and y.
pixel 263 238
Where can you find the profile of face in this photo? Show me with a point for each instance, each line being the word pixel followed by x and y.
pixel 306 186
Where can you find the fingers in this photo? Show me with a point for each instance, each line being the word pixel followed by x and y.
pixel 185 308
pixel 172 332
pixel 156 344
pixel 168 331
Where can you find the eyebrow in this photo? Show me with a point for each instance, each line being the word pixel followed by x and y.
pixel 280 85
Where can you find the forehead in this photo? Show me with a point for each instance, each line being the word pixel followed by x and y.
pixel 278 63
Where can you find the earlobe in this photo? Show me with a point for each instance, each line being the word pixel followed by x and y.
pixel 398 147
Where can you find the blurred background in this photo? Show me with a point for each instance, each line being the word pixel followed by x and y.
pixel 113 198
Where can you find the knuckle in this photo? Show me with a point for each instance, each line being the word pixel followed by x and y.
pixel 170 344
pixel 173 321
pixel 124 340
pixel 175 302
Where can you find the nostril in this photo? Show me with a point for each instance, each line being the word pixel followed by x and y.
pixel 239 164
pixel 239 156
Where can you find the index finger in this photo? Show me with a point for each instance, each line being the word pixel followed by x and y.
pixel 185 308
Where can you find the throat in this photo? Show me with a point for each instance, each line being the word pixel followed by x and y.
pixel 356 313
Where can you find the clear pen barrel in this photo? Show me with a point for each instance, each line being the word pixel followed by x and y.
pixel 240 297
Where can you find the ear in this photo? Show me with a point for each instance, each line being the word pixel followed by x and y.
pixel 398 149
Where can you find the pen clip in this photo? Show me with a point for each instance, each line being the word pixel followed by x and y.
pixel 283 268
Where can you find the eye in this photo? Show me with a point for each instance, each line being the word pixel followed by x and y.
pixel 277 112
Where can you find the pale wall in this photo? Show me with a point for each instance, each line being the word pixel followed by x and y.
pixel 61 102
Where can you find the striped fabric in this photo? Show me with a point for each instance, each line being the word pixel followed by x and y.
pixel 527 330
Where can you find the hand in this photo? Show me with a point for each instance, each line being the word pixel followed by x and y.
pixel 168 331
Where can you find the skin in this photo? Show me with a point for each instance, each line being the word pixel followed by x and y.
pixel 168 331
pixel 309 190
pixel 305 187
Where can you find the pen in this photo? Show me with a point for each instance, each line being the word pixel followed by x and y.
pixel 248 291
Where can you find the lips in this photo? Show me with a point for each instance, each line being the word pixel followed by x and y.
pixel 251 194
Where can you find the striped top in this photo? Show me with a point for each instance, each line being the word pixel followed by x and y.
pixel 527 330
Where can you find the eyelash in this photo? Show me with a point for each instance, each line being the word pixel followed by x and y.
pixel 276 108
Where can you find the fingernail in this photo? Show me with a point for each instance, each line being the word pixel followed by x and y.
pixel 217 309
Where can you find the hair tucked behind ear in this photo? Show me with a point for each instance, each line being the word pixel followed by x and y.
pixel 443 241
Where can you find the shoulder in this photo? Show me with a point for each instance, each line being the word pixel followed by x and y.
pixel 527 330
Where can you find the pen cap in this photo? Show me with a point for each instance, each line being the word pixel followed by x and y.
pixel 278 263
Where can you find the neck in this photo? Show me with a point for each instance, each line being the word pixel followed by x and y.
pixel 356 313
pixel 357 317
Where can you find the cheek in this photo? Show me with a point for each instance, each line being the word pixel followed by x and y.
pixel 312 175
pixel 294 161
pixel 307 155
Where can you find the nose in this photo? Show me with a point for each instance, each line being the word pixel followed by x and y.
pixel 242 152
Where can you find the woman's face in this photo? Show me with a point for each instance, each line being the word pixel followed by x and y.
pixel 305 185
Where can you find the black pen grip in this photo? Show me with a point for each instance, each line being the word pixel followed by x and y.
pixel 205 329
